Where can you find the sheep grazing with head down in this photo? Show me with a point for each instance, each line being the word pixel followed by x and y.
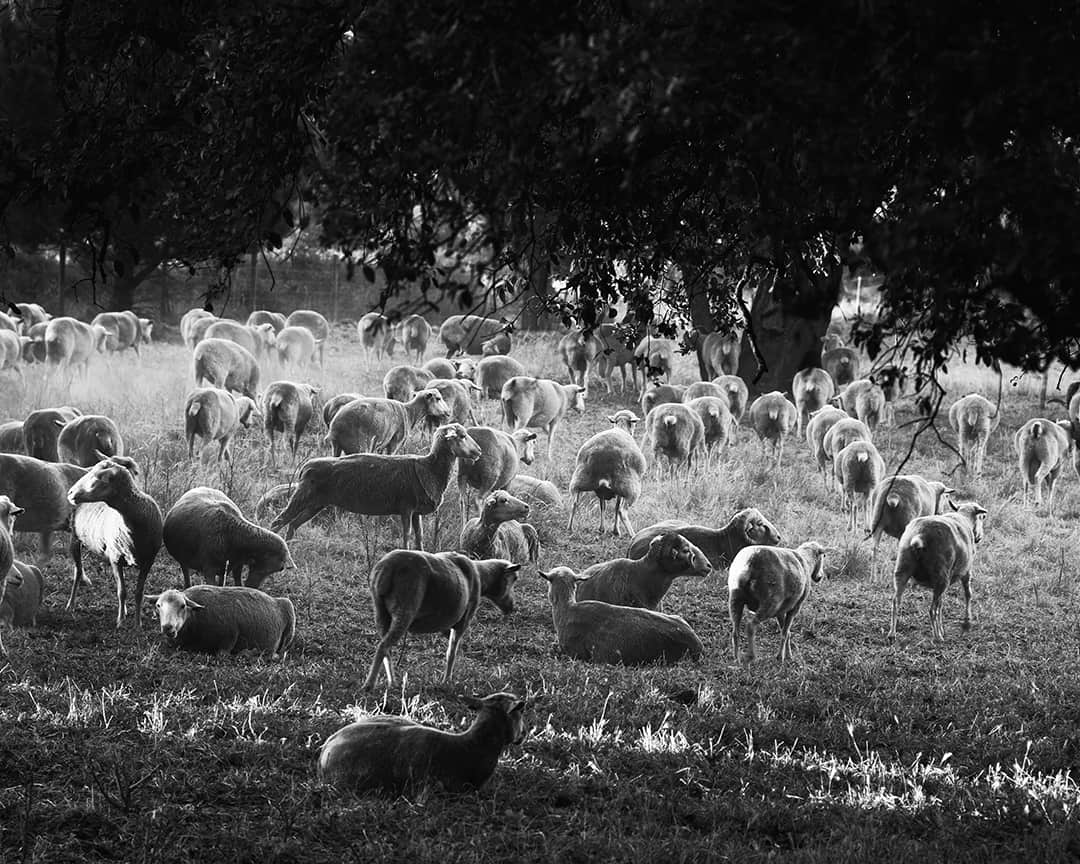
pixel 858 469
pixel 217 416
pixel 614 355
pixel 610 464
pixel 373 328
pixel 747 527
pixel 493 372
pixel 898 500
pixel 263 316
pixel 466 334
pixel 397 756
pixel 334 404
pixel 8 511
pixel 676 432
pixel 661 394
pixel 720 353
pixel 501 456
pixel 258 340
pixel 578 353
pixel 772 583
pixel 539 403
pixel 538 494
pixel 227 365
pixel 716 421
pixel 654 357
pixel 41 429
pixel 498 531
pixel 865 400
pixel 773 418
pixel 1042 448
pixel 402 382
pixel 973 418
pixel 287 408
pixel 842 364
pixel 821 421
pixel 414 333
pixel 845 431
pixel 21 595
pixel 738 394
pixel 296 347
pixel 314 323
pixel 208 619
pixel 373 425
pixel 812 388
pixel 188 332
pixel 418 592
pixel 88 439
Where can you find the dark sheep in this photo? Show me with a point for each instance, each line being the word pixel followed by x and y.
pixel 212 620
pixel 372 425
pixel 720 545
pixel 498 531
pixel 41 429
pixel 88 439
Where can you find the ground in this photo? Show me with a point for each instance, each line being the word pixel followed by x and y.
pixel 115 748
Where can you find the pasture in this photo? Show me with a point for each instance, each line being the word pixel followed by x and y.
pixel 113 748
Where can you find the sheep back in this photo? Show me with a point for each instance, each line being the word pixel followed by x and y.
pixel 610 464
pixel 227 365
pixel 24 591
pixel 604 633
pixel 236 619
pixel 41 489
pixel 11 437
pixel 82 440
pixel 747 527
pixel 369 424
pixel 535 492
pixel 41 429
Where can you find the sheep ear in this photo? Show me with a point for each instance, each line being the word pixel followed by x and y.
pixel 60 424
pixel 579 578
pixel 191 604
pixel 543 575
pixel 611 418
pixel 530 436
pixel 953 504
pixel 153 598
pixel 980 511
pixel 16 510
pixel 513 568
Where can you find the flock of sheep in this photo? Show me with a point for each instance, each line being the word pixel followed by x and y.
pixel 63 470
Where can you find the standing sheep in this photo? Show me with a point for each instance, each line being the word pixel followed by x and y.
pixel 216 415
pixel 716 421
pixel 842 364
pixel 211 620
pixel 227 365
pixel 69 344
pixel 812 388
pixel 720 353
pixel 402 382
pixel 331 406
pixel 259 340
pixel 88 439
pixel 372 425
pixel 892 380
pixel 457 396
pixel 864 400
pixel 704 388
pixel 898 500
pixel 498 531
pixel 498 344
pixel 414 335
pixel 8 511
pixel 539 403
pixel 676 432
pixel 773 417
pixel 661 394
pixel 262 316
pixel 655 357
pixel 1042 448
pixel 187 325
pixel 858 469
pixel 41 429
pixel 287 408
pixel 314 323
pixel 845 431
pixel 973 418
pixel 578 353
pixel 610 464
pixel 296 347
pixel 821 421
pixel 493 372
pixel 614 355
pixel 748 527
pixel 501 456
pixel 12 348
pixel 738 394
pixel 373 328
pixel 465 334
pixel 436 367
pixel 21 596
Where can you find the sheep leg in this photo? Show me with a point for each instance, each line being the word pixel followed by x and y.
pixel 382 655
pixel 77 574
pixel 735 609
pixel 785 636
pixel 965 582
pixel 899 584
pixel 45 551
pixel 573 510
pixel 140 590
pixel 602 505
pixel 751 637
pixel 121 592
pixel 418 530
pixel 937 630
pixel 187 575
pixel 457 633
pixel 873 555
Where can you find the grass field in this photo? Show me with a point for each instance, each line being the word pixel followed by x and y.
pixel 113 748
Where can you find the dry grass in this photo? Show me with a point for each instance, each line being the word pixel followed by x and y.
pixel 115 749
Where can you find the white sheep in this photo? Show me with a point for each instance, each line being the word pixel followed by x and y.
pixel 187 324
pixel 773 417
pixel 216 416
pixel 263 316
pixel 539 494
pixel 227 365
pixel 738 394
pixel 457 394
pixel 259 340
pixel 539 403
pixel 21 595
pixel 865 400
pixel 373 425
pixel 401 382
pixel 69 345
pixel 936 551
pixel 374 331
pixel 209 619
pixel 334 404
pixel 899 499
pixel 496 467
pixel 661 394
pixel 812 389
pixel 842 364
pixel 720 353
pixel 704 388
pixel 973 418
pixel 315 324
pixel 716 419
pixel 500 532
pixel 676 432
pixel 12 347
pixel 614 354
pixel 821 421
pixel 41 429
pixel 1042 448
pixel 466 333
pixel 414 333
pixel 845 431
pixel 8 511
pixel 498 344
pixel 772 583
pixel 610 464
pixel 578 353
pixel 493 372
pixel 858 469
pixel 654 357
pixel 287 408
pixel 296 347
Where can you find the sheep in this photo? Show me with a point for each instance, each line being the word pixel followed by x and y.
pixel 892 380
pixel 846 430
pixel 738 394
pixel 414 333
pixel 206 532
pixel 772 417
pixel 8 511
pixel 419 592
pixel 661 394
pixel 899 499
pixel 858 469
pixel 187 324
pixel 209 619
pixel 11 437
pixel 372 425
pixel 973 418
pixel 716 420
pixel 402 382
pixel 772 583
pixel 614 354
pixel 465 334
pixel 812 388
pixel 498 344
pixel 821 421
pixel 493 372
pixel 34 350
pixel 643 582
pixel 125 328
pixel 262 316
pixel 41 429
pixel 499 532
pixel 296 347
pixel 747 527
pixel 538 494
pixel 373 328
pixel 197 329
pixel 539 403
pixel 21 595
pixel 8 323
pixel 315 324
pixel 105 341
pixel 603 633
pixel 333 405
pixel 704 388
pixel 227 365
pixel 720 353
pixel 865 400
pixel 1042 448
pixel 397 755
pixel 88 439
pixel 287 408
pixel 501 454
pixel 216 415
pixel 654 357
pixel 578 353
pixel 26 315
pixel 676 432
pixel 69 345
pixel 437 367
pixel 127 532
pixel 936 551
pixel 11 351
pixel 842 364
pixel 610 464
pixel 831 341
pixel 259 341
pixel 456 395
pixel 373 485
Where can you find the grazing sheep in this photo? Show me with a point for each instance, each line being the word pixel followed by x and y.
pixel 373 425
pixel 88 439
pixel 538 494
pixel 704 388
pixel 747 527
pixel 296 347
pixel 812 388
pixel 831 342
pixel 501 454
pixel 654 357
pixel 842 364
pixel 899 499
pixel 105 341
pixel 414 333
pixel 738 394
pixel 1042 447
pixel 206 532
pixel 614 354
pixel 26 315
pixel 333 405
pixel 716 420
pixel 21 595
pixel 314 323
pixel 34 350
pixel 821 421
pixel 935 552
pixel 610 464
pixel 973 418
pixel 493 372
pixel 418 592
pixel 216 415
pixel 498 344
pixel 287 408
pixel 41 429
pixel 373 328
pixel 188 332
pixel 539 403
pixel 8 511
pixel 773 417
pixel 772 583
pixel 11 437
pixel 498 531
pixel 456 395
pixel 578 353
pixel 720 353
pixel 436 367
pixel 661 394
pixel 892 380
pixel 864 400
pixel 858 469
pixel 262 316
pixel 209 619
pixel 676 432
pixel 465 334
pixel 373 485
pixel 126 533
pixel 846 430
pixel 69 345
pixel 402 382
pixel 259 341
pixel 604 633
pixel 227 365
pixel 643 582
pixel 125 329
pixel 12 348
pixel 397 755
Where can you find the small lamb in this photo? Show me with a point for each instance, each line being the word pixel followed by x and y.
pixel 21 595
pixel 773 418
pixel 973 418
pixel 748 527
pixel 539 403
pixel 209 619
pixel 1042 448
pixel 772 583
pixel 812 388
pixel 8 511
pixel 499 531
pixel 610 464
pixel 899 499
pixel 858 469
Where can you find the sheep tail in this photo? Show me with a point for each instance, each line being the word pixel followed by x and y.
pixel 603 484
pixel 533 541
pixel 863 456
pixel 194 409
pixel 1036 429
pixel 893 500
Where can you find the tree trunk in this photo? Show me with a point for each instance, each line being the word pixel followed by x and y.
pixel 697 291
pixel 535 316
pixel 123 292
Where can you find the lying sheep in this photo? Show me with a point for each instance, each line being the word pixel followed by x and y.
pixel 604 633
pixel 738 394
pixel 858 469
pixel 227 365
pixel 88 439
pixel 126 533
pixel 842 364
pixel 216 416
pixel 973 418
pixel 747 527
pixel 417 592
pixel 465 334
pixel 493 372
pixel 287 408
pixel 845 431
pixel 402 382
pixel 21 595
pixel 539 403
pixel 457 396
pixel 501 454
pixel 8 511
pixel 935 552
pixel 654 357
pixel 262 316
pixel 397 755
pixel 1042 448
pixel 610 464
pixel 812 388
pixel 187 325
pixel 296 347
pixel 772 583
pixel 41 429
pixel 538 494
pixel 208 619
pixel 333 405
pixel 661 394
pixel 372 425
pixel 259 340
pixel 414 335
pixel 821 421
pixel 614 355
pixel 69 345
pixel 716 421
pixel 643 582
pixel 11 437
pixel 315 324
pixel 578 353
pixel 206 532
pixel 498 531
pixel 720 353
pixel 773 417
pixel 864 400
pixel 373 328
pixel 675 432
pixel 899 499
pixel 372 485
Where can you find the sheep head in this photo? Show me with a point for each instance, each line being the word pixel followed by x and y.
pixel 813 553
pixel 100 483
pixel 435 406
pixel 524 444
pixel 508 705
pixel 461 444
pixel 502 507
pixel 674 553
pixel 624 419
pixel 8 511
pixel 562 583
pixel 497 578
pixel 755 528
pixel 975 514
pixel 174 608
